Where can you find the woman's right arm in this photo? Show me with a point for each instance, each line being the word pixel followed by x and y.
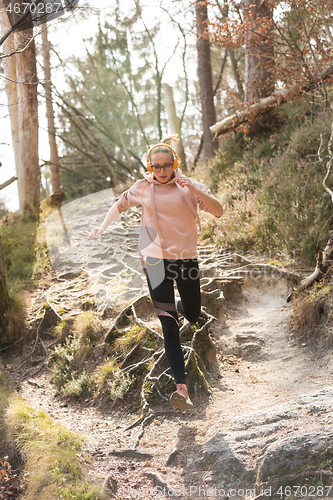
pixel 128 198
pixel 111 216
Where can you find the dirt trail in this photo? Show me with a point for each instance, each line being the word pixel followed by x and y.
pixel 259 366
pixel 282 369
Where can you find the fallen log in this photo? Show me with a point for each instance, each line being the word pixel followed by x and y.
pixel 233 121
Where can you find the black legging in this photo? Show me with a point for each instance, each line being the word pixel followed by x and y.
pixel 160 276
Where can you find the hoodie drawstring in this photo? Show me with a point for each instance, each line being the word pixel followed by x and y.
pixel 153 212
pixel 188 201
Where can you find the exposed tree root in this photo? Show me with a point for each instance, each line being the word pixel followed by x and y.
pixel 144 421
pixel 131 453
pixel 130 310
pixel 165 487
pixel 248 265
pixel 155 383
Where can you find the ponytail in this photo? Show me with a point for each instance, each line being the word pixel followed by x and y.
pixel 165 149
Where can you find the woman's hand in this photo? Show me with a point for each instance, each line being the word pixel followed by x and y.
pixel 185 181
pixel 207 202
pixel 96 231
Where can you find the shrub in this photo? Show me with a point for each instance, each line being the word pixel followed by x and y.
pixel 87 326
pixel 69 359
pixel 81 385
pixel 271 189
pixel 112 381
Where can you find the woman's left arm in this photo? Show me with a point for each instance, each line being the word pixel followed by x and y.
pixel 213 205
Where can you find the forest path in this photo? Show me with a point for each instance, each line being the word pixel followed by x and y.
pixel 260 365
pixel 277 365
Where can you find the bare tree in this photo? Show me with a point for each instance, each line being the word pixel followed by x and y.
pixel 29 187
pixel 21 74
pixel 54 157
pixel 9 66
pixel 259 50
pixel 4 300
pixel 205 79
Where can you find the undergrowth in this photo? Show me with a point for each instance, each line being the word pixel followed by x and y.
pixel 54 465
pixel 312 311
pixel 76 353
pixel 26 258
pixel 74 381
pixel 271 189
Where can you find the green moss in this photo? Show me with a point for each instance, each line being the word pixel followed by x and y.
pixel 150 393
pixel 206 349
pixel 196 379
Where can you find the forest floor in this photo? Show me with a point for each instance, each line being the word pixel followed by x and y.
pixel 261 364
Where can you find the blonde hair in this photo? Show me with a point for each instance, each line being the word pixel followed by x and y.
pixel 165 149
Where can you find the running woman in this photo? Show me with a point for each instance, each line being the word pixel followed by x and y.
pixel 168 244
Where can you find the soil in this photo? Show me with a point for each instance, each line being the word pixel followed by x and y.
pixel 260 363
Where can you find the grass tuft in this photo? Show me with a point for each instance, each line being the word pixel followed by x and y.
pixel 87 326
pixel 54 465
pixel 80 385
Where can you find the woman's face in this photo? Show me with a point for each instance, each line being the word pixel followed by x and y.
pixel 162 176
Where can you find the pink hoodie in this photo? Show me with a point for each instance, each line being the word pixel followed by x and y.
pixel 170 208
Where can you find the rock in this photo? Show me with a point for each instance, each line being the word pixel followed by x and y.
pixel 132 453
pixel 51 318
pixel 283 411
pixel 173 457
pixel 294 452
pixel 250 349
pixel 229 469
pixel 267 444
pixel 226 461
pixel 242 338
pixel 318 401
pixel 70 275
pixel 159 481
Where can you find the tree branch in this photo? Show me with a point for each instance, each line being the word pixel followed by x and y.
pixel 5 184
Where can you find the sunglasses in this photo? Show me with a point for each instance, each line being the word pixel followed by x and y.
pixel 166 167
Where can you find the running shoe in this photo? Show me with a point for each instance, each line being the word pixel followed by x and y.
pixel 180 399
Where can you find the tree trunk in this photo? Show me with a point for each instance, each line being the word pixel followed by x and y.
pixel 174 125
pixel 205 79
pixel 4 300
pixel 9 66
pixel 259 50
pixel 54 157
pixel 235 71
pixel 28 125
